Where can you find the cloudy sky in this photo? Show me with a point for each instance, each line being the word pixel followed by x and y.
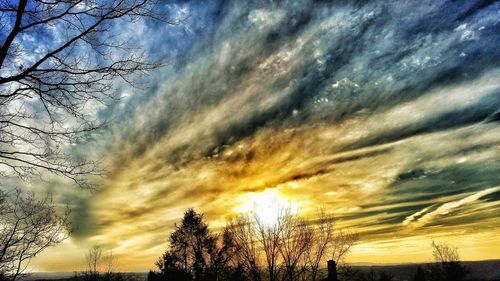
pixel 384 113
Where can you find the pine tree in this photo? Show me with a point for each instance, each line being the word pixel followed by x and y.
pixel 195 253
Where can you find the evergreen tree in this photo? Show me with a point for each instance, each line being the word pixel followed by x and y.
pixel 195 254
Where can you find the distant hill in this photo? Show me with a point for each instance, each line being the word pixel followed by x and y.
pixel 487 270
pixel 62 276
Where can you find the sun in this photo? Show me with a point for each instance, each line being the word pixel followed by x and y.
pixel 267 205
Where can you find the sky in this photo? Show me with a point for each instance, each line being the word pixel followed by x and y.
pixel 384 113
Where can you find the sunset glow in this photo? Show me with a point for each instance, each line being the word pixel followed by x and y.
pixel 267 205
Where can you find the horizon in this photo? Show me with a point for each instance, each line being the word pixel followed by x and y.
pixel 322 266
pixel 386 115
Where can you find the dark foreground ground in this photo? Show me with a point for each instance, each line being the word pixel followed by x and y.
pixel 488 270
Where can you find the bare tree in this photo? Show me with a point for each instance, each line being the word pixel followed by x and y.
pixel 448 266
pixel 109 262
pixel 296 242
pixel 322 237
pixel 58 59
pixel 99 266
pixel 94 262
pixel 342 243
pixel 444 253
pixel 244 235
pixel 28 226
pixel 289 248
pixel 270 237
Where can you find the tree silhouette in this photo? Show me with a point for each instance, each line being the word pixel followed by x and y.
pixel 170 269
pixel 296 242
pixel 322 238
pixel 57 60
pixel 243 232
pixel 28 225
pixel 342 243
pixel 222 250
pixel 93 262
pixel 250 248
pixel 99 267
pixel 270 237
pixel 195 253
pixel 448 266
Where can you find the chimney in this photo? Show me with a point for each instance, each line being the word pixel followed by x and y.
pixel 332 271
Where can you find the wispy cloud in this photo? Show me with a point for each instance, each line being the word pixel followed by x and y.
pixel 423 217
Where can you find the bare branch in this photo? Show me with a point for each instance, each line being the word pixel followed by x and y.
pixel 43 95
pixel 29 226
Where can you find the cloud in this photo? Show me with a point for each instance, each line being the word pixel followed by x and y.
pixel 422 218
pixel 411 218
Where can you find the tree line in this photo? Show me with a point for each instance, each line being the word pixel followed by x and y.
pixel 249 248
pixel 288 249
